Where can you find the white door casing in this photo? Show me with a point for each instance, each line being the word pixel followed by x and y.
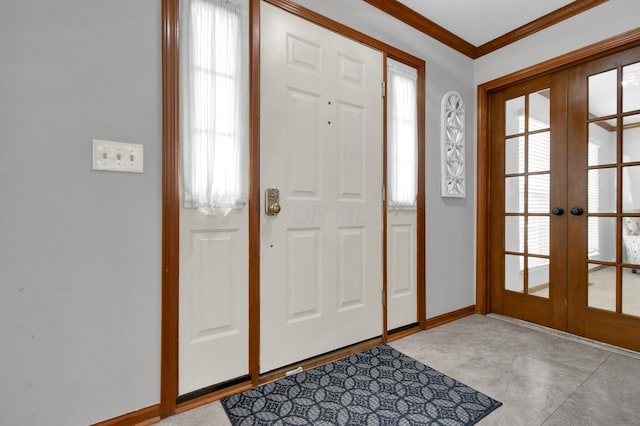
pixel 214 298
pixel 321 146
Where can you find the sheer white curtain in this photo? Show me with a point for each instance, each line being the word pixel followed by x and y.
pixel 402 135
pixel 214 103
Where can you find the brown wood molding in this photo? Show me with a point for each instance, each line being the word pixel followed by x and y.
pixel 346 31
pixel 597 50
pixel 385 258
pixel 593 51
pixel 421 213
pixel 420 23
pixel 212 397
pixel 254 191
pixel 414 19
pixel 546 21
pixel 170 207
pixel 603 124
pixel 483 198
pixel 145 416
pixel 609 128
pixel 449 317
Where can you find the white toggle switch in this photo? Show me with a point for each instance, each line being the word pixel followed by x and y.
pixel 117 156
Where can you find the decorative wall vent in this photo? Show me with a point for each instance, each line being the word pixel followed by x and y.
pixel 452 149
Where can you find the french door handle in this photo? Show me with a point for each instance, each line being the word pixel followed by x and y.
pixel 576 211
pixel 558 211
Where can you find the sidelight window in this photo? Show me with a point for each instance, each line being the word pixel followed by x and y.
pixel 402 132
pixel 214 103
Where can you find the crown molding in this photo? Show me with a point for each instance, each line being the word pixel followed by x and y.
pixel 546 21
pixel 420 23
pixel 414 19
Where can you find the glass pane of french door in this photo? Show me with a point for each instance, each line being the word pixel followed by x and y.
pixel 613 190
pixel 527 188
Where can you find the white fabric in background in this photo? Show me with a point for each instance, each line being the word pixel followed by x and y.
pixel 402 135
pixel 214 104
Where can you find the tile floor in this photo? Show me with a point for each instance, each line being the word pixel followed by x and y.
pixel 542 377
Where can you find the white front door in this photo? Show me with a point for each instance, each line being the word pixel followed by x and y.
pixel 321 147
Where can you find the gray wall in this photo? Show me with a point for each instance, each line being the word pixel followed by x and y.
pixel 79 250
pixel 450 223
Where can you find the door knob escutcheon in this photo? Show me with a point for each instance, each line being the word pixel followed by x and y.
pixel 272 201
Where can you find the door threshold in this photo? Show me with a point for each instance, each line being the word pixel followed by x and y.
pixel 568 336
pixel 312 362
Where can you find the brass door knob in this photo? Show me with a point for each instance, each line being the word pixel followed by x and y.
pixel 275 208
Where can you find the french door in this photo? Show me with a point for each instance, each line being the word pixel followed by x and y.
pixel 529 243
pixel 566 200
pixel 604 166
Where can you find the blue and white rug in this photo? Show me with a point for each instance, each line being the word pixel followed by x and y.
pixel 380 386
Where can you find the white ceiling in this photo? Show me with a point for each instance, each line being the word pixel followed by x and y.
pixel 480 21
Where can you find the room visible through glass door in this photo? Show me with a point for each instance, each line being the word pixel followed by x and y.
pixel 604 156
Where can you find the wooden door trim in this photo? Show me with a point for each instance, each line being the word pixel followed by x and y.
pixel 254 192
pixel 485 91
pixel 346 31
pixel 170 183
pixel 421 201
pixel 170 207
pixel 385 322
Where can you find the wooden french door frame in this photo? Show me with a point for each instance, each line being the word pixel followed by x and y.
pixel 485 93
pixel 171 201
pixel 548 311
pixel 613 326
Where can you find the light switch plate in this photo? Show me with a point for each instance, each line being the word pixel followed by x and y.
pixel 118 156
